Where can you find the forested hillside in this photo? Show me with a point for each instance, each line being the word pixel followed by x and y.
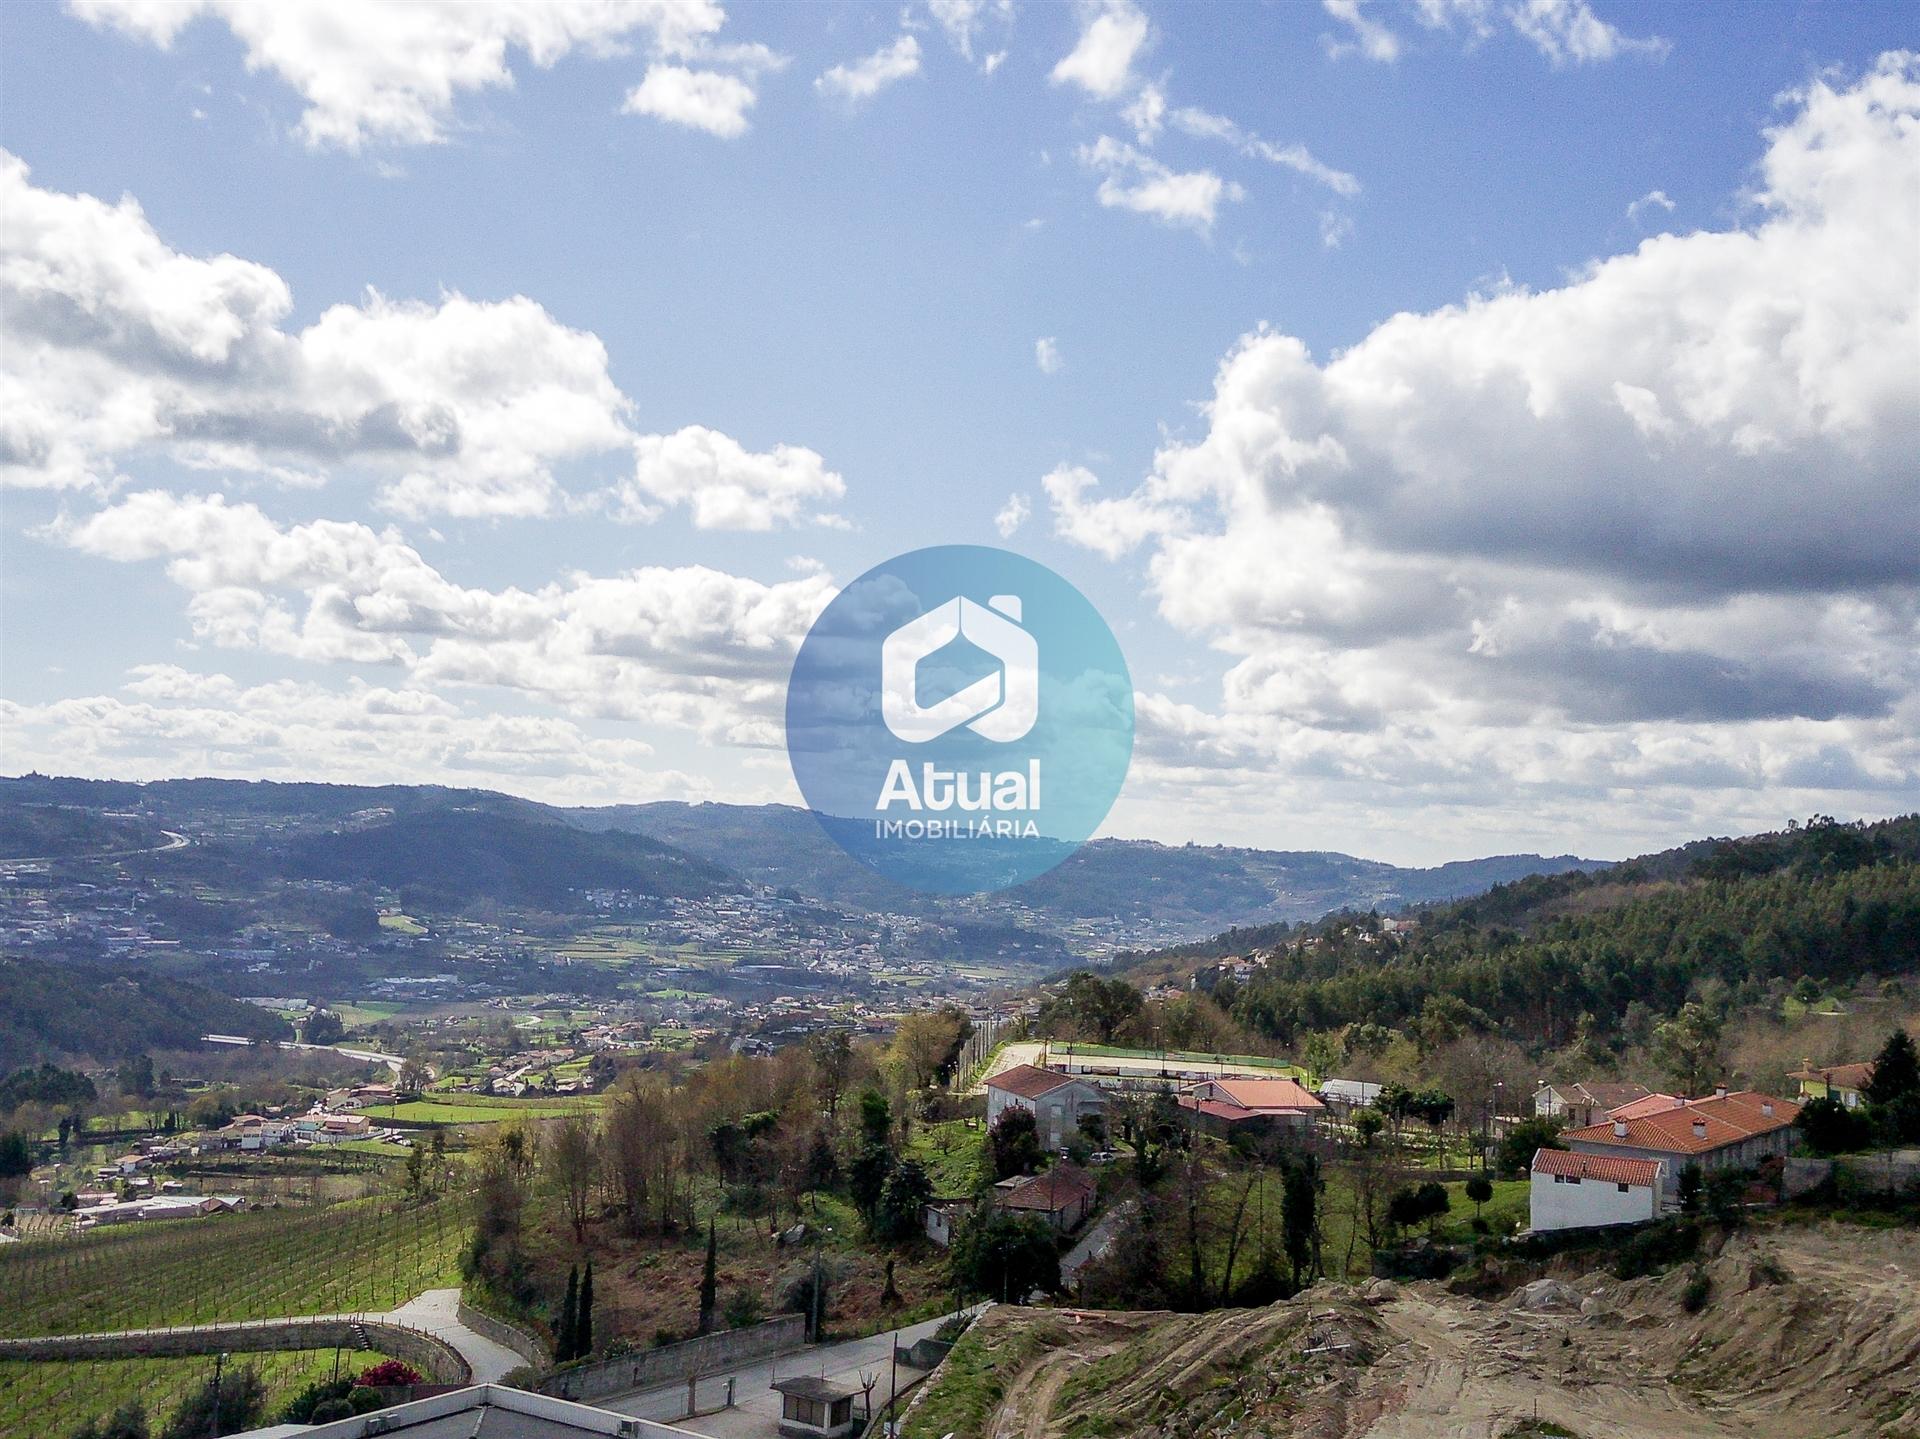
pixel 69 1011
pixel 1550 958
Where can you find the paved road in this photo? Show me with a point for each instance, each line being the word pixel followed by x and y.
pixel 756 1411
pixel 438 1312
pixel 1094 1243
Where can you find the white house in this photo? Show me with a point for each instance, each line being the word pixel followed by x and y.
pixel 1580 1191
pixel 1058 1102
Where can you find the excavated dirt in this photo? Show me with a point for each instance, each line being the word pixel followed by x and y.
pixel 1807 1334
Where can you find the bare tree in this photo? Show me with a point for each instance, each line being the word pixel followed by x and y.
pixel 573 1166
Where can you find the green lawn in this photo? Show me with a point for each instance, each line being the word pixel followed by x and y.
pixel 480 1108
pixel 364 1254
pixel 46 1400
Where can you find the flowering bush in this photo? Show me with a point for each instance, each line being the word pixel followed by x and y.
pixel 390 1374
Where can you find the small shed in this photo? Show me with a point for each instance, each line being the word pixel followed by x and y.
pixel 813 1408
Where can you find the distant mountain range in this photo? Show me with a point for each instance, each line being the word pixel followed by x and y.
pixel 455 847
pixel 1199 888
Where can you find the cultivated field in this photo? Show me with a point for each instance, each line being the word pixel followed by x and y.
pixel 50 1400
pixel 362 1255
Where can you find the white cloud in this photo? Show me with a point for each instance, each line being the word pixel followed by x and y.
pixel 1653 531
pixel 120 346
pixel 864 78
pixel 1370 37
pixel 1647 202
pixel 1567 32
pixel 684 646
pixel 962 20
pixel 1046 354
pixel 725 485
pixel 1133 181
pixel 699 99
pixel 1012 515
pixel 390 73
pixel 1112 35
pixel 1335 229
pixel 1146 113
pixel 1296 157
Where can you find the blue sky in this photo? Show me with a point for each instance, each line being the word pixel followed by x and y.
pixel 542 418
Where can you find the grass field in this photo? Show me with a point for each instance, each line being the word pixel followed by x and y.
pixel 479 1109
pixel 49 1400
pixel 362 1255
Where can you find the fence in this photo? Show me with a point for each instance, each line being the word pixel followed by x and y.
pixel 1891 1172
pixel 676 1363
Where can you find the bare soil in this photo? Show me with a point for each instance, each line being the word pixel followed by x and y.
pixel 1808 1333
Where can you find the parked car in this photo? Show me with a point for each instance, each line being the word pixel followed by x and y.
pixel 1102 1156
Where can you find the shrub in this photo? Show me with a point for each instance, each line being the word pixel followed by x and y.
pixel 741 1308
pixel 329 1410
pixel 362 1400
pixel 391 1374
pixel 1698 1291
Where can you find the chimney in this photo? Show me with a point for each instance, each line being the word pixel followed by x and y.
pixel 1719 1091
pixel 1619 1129
pixel 1678 1102
pixel 1766 1107
pixel 1699 1129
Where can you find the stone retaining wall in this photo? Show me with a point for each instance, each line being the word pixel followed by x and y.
pixel 433 1357
pixel 674 1363
pixel 521 1341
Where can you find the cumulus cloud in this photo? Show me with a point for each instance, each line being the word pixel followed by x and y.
pixel 688 646
pixel 698 99
pixel 1132 180
pixel 864 78
pixel 1013 514
pixel 121 346
pixel 1112 35
pixel 1567 32
pixel 1655 528
pixel 725 485
pixel 381 73
pixel 1046 354
pixel 167 721
pixel 1370 38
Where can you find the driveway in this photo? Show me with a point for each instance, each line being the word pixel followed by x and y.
pixel 756 1407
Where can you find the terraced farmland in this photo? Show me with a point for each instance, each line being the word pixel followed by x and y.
pixel 360 1255
pixel 40 1400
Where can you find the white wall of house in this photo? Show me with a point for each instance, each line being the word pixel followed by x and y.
pixel 1563 1202
pixel 1056 1114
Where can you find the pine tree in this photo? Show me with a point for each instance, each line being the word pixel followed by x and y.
pixel 1896 1071
pixel 583 1320
pixel 563 1331
pixel 709 1283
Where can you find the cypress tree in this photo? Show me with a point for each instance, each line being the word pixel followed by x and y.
pixel 563 1331
pixel 709 1283
pixel 583 1322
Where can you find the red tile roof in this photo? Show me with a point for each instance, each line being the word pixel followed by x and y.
pixel 1724 1120
pixel 1840 1076
pixel 1058 1188
pixel 1652 1104
pixel 1606 1168
pixel 1264 1094
pixel 1029 1081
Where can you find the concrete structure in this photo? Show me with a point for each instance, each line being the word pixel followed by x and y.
pixel 940 1218
pixel 677 1363
pixel 485 1409
pixel 1844 1082
pixel 813 1408
pixel 1347 1095
pixel 1063 1196
pixel 1581 1191
pixel 1057 1102
pixel 1583 1104
pixel 1226 1107
pixel 1729 1131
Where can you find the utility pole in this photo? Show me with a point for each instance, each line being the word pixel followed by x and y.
pixel 213 1419
pixel 893 1379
